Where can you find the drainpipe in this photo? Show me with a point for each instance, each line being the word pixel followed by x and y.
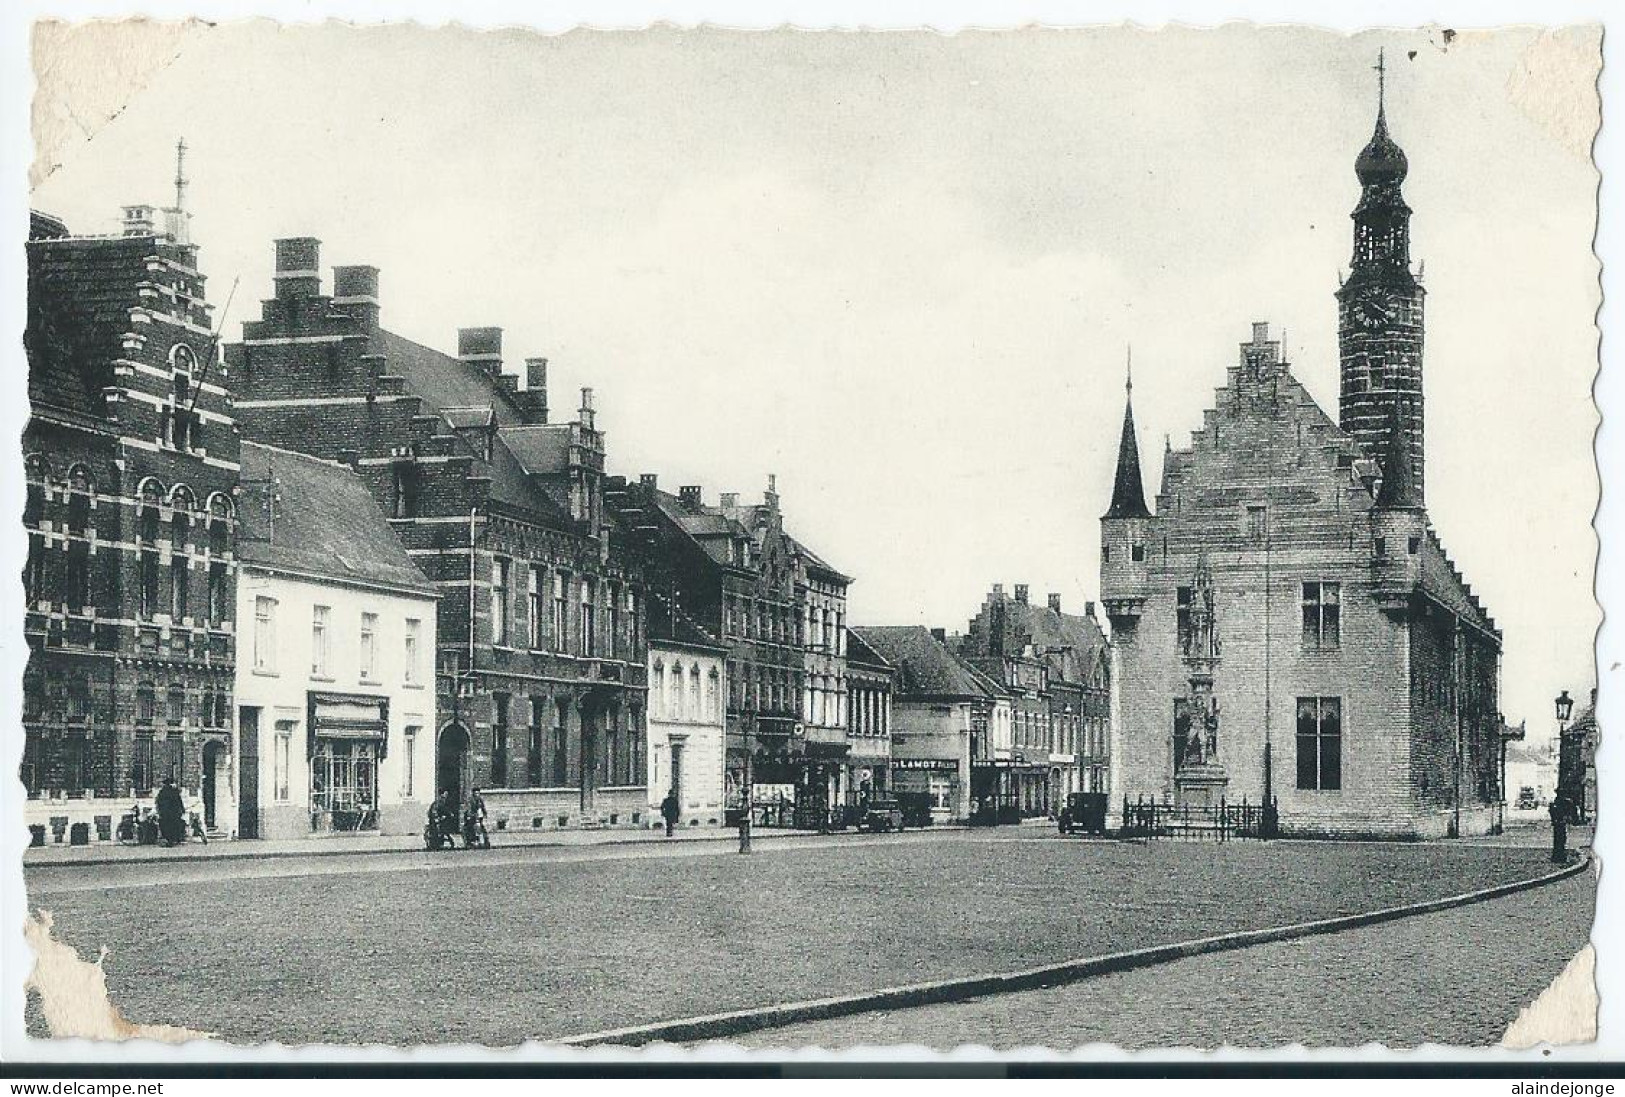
pixel 1460 655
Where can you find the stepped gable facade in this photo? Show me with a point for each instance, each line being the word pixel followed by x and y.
pixel 131 458
pixel 1286 624
pixel 542 667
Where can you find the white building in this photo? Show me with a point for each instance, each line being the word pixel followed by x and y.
pixel 688 692
pixel 335 675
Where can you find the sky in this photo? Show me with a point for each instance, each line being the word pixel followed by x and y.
pixel 902 271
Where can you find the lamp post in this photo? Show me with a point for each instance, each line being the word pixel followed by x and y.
pixel 749 791
pixel 1566 754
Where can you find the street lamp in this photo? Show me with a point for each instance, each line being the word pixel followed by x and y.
pixel 1565 708
pixel 1564 704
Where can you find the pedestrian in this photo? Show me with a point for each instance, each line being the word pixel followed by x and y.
pixel 474 822
pixel 669 812
pixel 1560 828
pixel 171 814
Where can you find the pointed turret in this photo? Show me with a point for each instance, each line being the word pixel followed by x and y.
pixel 1128 490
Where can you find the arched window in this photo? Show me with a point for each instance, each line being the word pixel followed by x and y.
pixel 694 712
pixel 81 493
pixel 219 546
pixel 658 686
pixel 179 422
pixel 674 693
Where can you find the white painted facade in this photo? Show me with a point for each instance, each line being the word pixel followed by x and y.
pixel 335 695
pixel 688 692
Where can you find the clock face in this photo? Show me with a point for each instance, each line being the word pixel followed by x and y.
pixel 1371 312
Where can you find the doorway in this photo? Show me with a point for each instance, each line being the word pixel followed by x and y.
pixel 213 754
pixel 451 763
pixel 248 773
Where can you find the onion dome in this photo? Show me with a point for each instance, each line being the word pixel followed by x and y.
pixel 1381 161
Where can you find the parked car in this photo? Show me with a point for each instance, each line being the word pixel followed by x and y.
pixel 882 813
pixel 1085 813
pixel 916 808
pixel 1527 800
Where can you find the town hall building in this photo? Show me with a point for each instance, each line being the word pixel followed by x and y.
pixel 1287 627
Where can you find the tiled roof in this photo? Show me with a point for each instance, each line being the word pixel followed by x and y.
pixel 456 390
pixel 669 624
pixel 325 521
pixel 858 652
pixel 80 292
pixel 925 667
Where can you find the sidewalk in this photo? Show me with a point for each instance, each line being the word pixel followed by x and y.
pixel 339 845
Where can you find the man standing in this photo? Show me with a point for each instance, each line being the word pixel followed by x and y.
pixel 475 831
pixel 171 814
pixel 669 812
pixel 1560 829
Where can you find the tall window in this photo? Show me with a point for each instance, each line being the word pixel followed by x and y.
pixel 589 620
pixel 219 542
pixel 410 648
pixel 265 634
pixel 561 751
pixel 146 703
pixel 1320 743
pixel 1182 615
pixel 281 754
pixel 694 712
pixel 404 491
pixel 318 641
pixel 369 647
pixel 538 733
pixel 499 741
pixel 499 600
pixel 1257 524
pixel 148 533
pixel 612 605
pixel 180 524
pixel 559 612
pixel 1322 624
pixel 175 709
pixel 409 763
pixel 533 606
pixel 632 623
pixel 141 765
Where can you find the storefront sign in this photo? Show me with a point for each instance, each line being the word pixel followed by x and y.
pixel 948 764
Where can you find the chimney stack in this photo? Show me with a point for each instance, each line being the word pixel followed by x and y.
pixel 689 494
pixel 650 481
pixel 139 221
pixel 998 591
pixel 298 268
pixel 481 347
pixel 355 292
pixel 1089 610
pixel 533 400
pixel 588 415
pixel 940 635
pixel 1021 593
pixel 1055 602
pixel 730 500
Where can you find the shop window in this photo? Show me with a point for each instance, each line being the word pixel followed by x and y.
pixel 343 782
pixel 1320 743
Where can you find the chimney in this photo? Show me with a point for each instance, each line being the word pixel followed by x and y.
pixel 998 591
pixel 940 635
pixel 1261 332
pixel 355 292
pixel 771 495
pixel 649 480
pixel 730 500
pixel 1089 610
pixel 1021 593
pixel 481 347
pixel 588 415
pixel 138 221
pixel 533 400
pixel 298 267
pixel 1055 602
pixel 689 494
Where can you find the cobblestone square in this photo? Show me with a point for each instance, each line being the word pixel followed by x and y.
pixel 542 944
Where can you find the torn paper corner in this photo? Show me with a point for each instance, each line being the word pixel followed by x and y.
pixel 73 993
pixel 1565 1012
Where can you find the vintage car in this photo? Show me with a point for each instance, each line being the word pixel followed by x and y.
pixel 882 813
pixel 1527 800
pixel 1085 813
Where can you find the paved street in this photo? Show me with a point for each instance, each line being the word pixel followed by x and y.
pixel 1457 977
pixel 517 944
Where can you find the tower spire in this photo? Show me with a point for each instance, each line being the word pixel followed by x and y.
pixel 1382 88
pixel 1128 490
pixel 180 174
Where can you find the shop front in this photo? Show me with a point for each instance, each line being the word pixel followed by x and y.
pixel 937 779
pixel 995 792
pixel 349 735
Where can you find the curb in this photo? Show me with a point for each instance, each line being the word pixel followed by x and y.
pixel 250 854
pixel 720 1026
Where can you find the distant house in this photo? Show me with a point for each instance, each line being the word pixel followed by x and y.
pixel 1530 766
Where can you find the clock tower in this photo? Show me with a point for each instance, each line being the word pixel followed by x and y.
pixel 1380 308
